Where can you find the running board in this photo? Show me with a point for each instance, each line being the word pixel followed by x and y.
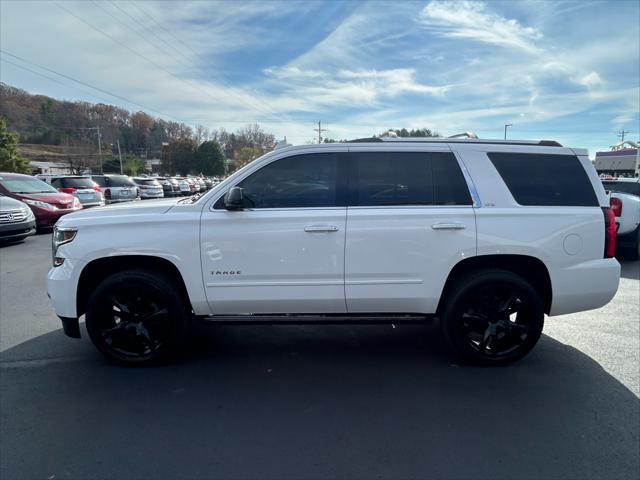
pixel 305 319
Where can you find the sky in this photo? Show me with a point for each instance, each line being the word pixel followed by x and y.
pixel 561 70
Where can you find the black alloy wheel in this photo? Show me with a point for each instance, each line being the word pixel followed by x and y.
pixel 493 318
pixel 136 317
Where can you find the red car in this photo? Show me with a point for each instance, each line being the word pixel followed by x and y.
pixel 47 203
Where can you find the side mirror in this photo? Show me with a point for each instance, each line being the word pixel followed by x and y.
pixel 234 200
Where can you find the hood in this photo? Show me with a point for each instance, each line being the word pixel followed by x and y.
pixel 58 199
pixel 8 203
pixel 120 210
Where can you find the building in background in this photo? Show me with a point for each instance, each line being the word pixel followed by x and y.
pixel 49 168
pixel 622 160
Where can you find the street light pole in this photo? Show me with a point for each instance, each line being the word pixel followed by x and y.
pixel 505 129
pixel 119 155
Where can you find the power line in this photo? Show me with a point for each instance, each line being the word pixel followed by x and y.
pixel 195 56
pixel 152 62
pixel 320 130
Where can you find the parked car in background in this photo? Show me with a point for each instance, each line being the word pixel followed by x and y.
pixel 148 187
pixel 167 187
pixel 46 203
pixel 192 186
pixel 116 188
pixel 17 221
pixel 625 203
pixel 80 186
pixel 202 185
pixel 209 183
pixel 185 187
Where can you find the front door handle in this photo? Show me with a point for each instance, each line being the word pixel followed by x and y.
pixel 320 228
pixel 448 226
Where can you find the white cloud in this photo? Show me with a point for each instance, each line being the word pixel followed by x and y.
pixel 591 80
pixel 471 20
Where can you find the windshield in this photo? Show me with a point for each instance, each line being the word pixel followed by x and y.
pixel 27 185
pixel 120 181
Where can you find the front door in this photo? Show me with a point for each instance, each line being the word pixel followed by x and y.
pixel 284 252
pixel 410 220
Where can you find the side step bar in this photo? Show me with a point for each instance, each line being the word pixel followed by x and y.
pixel 306 319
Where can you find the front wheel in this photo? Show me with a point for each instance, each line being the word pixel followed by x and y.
pixel 493 317
pixel 136 317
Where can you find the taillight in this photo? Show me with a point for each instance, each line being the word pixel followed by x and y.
pixel 609 232
pixel 107 193
pixel 67 189
pixel 96 187
pixel 616 206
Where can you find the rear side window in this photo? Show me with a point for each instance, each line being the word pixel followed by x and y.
pixel 300 181
pixel 120 181
pixel 100 180
pixel 408 178
pixel 545 180
pixel 72 182
pixel 623 187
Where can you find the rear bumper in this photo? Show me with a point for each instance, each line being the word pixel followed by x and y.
pixel 584 286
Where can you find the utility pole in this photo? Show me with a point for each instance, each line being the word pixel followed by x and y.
pixel 99 148
pixel 621 134
pixel 505 129
pixel 119 155
pixel 320 130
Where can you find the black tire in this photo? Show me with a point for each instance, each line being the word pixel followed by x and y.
pixel 137 317
pixel 492 318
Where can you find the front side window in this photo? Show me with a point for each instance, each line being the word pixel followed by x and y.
pixel 300 181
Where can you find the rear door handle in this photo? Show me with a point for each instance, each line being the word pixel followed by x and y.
pixel 448 226
pixel 320 228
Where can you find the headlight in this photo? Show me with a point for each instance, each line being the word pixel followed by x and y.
pixel 61 235
pixel 76 203
pixel 38 203
pixel 29 214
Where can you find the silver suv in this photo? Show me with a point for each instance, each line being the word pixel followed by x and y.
pixel 116 188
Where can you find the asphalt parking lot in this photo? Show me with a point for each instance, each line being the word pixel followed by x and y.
pixel 315 402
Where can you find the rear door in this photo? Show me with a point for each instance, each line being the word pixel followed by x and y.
pixel 410 220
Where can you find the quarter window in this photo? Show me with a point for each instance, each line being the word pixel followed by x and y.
pixel 300 181
pixel 545 179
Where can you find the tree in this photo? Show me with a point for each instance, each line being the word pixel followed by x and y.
pixel 418 132
pixel 178 156
pixel 131 165
pixel 245 155
pixel 209 159
pixel 10 159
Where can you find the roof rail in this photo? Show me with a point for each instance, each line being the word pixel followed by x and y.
pixel 457 139
pixel 464 135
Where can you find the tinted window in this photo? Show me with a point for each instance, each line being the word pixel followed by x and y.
pixel 100 180
pixel 120 181
pixel 409 178
pixel 147 181
pixel 623 187
pixel 449 185
pixel 73 182
pixel 298 181
pixel 392 178
pixel 545 180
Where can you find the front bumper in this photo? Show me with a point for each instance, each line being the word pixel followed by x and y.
pixel 18 230
pixel 48 218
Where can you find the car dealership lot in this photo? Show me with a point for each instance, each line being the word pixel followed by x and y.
pixel 315 402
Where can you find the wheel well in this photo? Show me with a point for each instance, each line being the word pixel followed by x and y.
pixel 529 268
pixel 97 270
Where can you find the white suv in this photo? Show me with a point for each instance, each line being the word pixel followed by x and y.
pixel 485 236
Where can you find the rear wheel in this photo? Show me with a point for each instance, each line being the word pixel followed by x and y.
pixel 493 317
pixel 136 317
